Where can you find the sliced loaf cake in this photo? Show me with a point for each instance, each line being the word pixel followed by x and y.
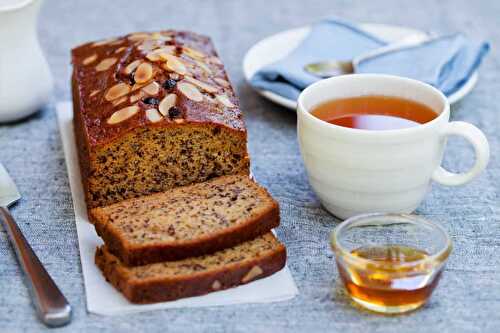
pixel 186 221
pixel 172 280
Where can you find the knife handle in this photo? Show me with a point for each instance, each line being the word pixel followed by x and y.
pixel 51 305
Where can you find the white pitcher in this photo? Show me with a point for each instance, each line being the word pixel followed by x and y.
pixel 25 79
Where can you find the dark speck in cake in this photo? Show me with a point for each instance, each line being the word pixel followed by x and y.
pixel 171 230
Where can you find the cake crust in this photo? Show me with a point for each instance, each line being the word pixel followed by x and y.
pixel 91 84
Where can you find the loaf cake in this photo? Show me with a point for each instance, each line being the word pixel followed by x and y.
pixel 172 280
pixel 153 111
pixel 186 221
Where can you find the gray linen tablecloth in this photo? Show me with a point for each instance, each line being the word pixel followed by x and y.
pixel 468 298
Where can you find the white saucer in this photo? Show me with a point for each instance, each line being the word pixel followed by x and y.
pixel 275 47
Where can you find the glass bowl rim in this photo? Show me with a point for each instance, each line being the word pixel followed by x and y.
pixel 441 255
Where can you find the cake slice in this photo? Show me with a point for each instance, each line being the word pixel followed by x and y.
pixel 172 280
pixel 186 221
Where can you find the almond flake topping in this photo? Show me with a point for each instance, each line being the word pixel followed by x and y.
pixel 225 101
pixel 204 67
pixel 174 64
pixel 195 54
pixel 93 93
pixel 139 36
pixel 190 91
pixel 152 89
pixel 200 84
pixel 132 66
pixel 252 274
pixel 153 115
pixel 146 46
pixel 143 73
pixel 138 86
pixel 222 82
pixel 160 37
pixel 166 51
pixel 166 103
pixel 216 285
pixel 116 42
pixel 118 90
pixel 136 97
pixel 105 64
pixel 123 114
pixel 103 42
pixel 120 49
pixel 215 60
pixel 89 59
pixel 156 35
pixel 154 56
pixel 119 101
pixel 161 53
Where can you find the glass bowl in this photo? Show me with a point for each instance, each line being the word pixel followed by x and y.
pixel 390 263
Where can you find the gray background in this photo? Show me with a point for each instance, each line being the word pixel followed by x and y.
pixel 468 298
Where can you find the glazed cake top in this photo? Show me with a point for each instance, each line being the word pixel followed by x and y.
pixel 151 79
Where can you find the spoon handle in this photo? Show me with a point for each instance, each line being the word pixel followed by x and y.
pixel 410 41
pixel 51 305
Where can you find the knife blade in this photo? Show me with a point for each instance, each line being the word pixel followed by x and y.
pixel 9 193
pixel 51 305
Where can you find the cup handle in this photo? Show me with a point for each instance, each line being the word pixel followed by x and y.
pixel 481 148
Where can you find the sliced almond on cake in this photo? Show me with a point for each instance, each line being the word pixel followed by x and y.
pixel 190 91
pixel 166 103
pixel 132 66
pixel 90 59
pixel 174 64
pixel 153 115
pixel 143 73
pixel 204 86
pixel 105 64
pixel 116 91
pixel 123 114
pixel 225 101
pixel 152 89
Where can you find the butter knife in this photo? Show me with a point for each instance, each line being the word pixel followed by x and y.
pixel 51 305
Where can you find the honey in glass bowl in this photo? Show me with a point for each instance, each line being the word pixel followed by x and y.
pixel 390 263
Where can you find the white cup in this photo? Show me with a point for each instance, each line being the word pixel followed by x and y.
pixel 357 171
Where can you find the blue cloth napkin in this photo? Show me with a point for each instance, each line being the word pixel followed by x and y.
pixel 445 62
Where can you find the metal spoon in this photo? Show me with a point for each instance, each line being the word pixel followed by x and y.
pixel 329 68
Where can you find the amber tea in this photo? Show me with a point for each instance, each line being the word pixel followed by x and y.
pixel 374 112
